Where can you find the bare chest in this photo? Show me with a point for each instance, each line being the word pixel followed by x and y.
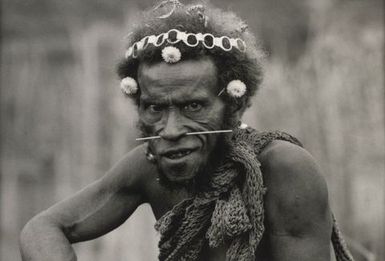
pixel 163 200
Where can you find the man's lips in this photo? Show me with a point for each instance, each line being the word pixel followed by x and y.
pixel 177 153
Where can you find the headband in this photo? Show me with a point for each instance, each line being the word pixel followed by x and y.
pixel 174 36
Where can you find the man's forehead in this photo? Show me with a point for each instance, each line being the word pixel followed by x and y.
pixel 202 70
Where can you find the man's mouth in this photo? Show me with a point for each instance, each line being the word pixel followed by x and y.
pixel 177 154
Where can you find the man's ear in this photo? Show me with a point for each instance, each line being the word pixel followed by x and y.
pixel 237 110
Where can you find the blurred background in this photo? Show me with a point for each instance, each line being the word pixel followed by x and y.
pixel 64 121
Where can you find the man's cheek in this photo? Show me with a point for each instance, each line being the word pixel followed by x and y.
pixel 146 129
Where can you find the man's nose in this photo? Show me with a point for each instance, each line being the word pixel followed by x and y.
pixel 173 128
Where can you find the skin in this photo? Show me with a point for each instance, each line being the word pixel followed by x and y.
pixel 297 215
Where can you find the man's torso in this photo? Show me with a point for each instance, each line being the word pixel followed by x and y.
pixel 162 200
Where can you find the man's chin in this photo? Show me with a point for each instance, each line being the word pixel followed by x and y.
pixel 179 172
pixel 181 180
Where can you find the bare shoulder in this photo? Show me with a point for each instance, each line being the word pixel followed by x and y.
pixel 296 201
pixel 133 170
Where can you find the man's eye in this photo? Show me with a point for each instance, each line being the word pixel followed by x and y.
pixel 193 107
pixel 155 108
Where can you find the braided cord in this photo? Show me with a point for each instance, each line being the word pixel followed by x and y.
pixel 341 250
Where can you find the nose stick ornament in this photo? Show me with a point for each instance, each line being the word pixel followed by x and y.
pixel 187 134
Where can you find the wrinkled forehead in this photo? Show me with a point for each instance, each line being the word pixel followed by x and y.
pixel 201 71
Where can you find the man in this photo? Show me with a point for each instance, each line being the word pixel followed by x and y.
pixel 218 189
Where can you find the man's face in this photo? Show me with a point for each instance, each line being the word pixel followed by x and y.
pixel 177 99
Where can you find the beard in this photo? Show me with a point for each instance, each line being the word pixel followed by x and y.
pixel 202 173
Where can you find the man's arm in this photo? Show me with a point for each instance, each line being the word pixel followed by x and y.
pixel 298 219
pixel 90 213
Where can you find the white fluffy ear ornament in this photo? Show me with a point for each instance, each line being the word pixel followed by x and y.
pixel 129 86
pixel 171 54
pixel 235 88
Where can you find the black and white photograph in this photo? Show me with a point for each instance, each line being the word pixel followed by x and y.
pixel 197 130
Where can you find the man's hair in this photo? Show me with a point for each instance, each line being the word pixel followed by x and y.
pixel 231 65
